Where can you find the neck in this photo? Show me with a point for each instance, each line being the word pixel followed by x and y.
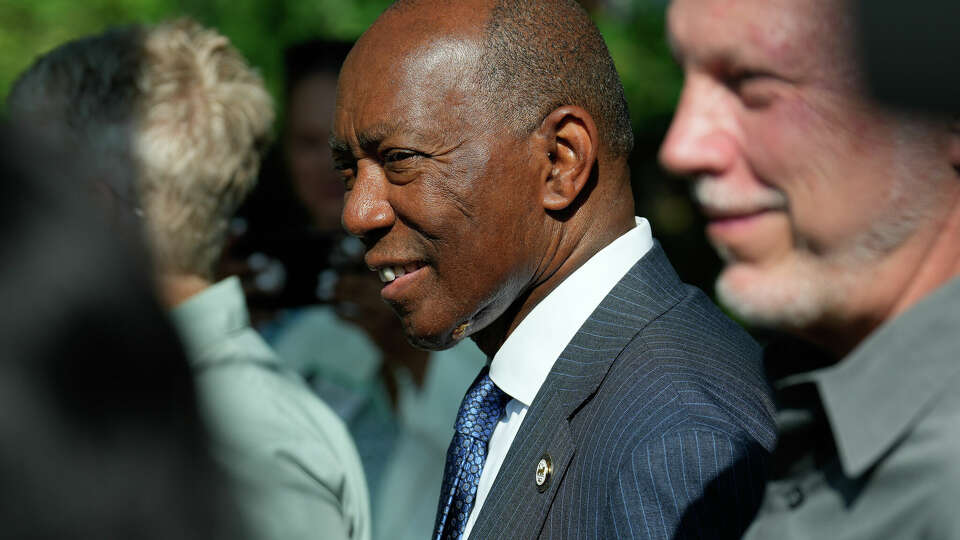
pixel 940 264
pixel 177 288
pixel 598 223
pixel 896 287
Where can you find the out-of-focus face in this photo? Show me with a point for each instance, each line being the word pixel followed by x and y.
pixel 310 116
pixel 810 189
pixel 446 204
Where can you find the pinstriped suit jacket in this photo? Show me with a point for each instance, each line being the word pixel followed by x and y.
pixel 657 420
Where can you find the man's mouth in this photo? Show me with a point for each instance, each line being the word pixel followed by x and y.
pixel 390 273
pixel 723 202
pixel 729 215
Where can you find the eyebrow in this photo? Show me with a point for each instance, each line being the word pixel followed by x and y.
pixel 338 145
pixel 368 138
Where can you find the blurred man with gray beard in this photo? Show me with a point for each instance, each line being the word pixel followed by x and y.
pixel 839 221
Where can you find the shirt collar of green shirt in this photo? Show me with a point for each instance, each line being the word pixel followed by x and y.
pixel 875 395
pixel 215 320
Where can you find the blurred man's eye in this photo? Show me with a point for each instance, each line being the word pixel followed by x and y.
pixel 756 89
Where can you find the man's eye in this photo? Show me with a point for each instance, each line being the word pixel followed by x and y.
pixel 396 156
pixel 345 171
pixel 755 89
pixel 348 179
pixel 341 165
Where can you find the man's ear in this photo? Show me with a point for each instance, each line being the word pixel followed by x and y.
pixel 570 144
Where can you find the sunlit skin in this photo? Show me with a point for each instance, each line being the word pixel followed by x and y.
pixel 833 214
pixel 492 221
pixel 310 118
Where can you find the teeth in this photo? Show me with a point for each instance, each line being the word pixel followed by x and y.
pixel 390 273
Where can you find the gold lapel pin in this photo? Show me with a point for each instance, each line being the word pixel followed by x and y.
pixel 544 473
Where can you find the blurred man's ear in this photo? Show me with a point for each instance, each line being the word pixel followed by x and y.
pixel 571 144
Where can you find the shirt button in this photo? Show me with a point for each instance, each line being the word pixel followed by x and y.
pixel 794 497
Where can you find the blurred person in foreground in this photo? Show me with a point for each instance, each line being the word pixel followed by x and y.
pixel 484 148
pixel 840 223
pixel 100 437
pixel 195 117
pixel 398 402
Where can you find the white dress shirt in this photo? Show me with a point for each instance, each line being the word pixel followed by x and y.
pixel 527 356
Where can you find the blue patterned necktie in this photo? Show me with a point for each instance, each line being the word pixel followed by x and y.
pixel 479 413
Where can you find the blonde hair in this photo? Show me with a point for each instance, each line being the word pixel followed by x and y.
pixel 203 120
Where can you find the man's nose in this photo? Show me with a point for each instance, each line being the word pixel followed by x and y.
pixel 367 207
pixel 701 139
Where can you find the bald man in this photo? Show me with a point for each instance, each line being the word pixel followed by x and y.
pixel 484 150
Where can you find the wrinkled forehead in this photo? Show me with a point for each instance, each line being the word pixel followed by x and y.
pixel 801 32
pixel 436 46
pixel 411 73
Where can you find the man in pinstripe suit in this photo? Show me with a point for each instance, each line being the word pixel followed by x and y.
pixel 484 148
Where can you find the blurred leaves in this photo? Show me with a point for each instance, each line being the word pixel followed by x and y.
pixel 29 28
pixel 262 28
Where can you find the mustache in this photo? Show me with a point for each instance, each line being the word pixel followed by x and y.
pixel 719 197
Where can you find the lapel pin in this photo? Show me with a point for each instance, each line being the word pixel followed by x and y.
pixel 544 472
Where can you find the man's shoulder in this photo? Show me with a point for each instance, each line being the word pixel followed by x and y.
pixel 675 311
pixel 256 409
pixel 698 323
pixel 261 399
pixel 929 452
pixel 296 466
pixel 691 368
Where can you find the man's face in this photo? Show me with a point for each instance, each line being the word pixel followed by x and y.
pixel 808 187
pixel 308 152
pixel 436 193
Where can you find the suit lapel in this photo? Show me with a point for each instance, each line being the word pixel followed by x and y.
pixel 515 507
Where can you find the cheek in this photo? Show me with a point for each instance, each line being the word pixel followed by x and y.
pixel 825 160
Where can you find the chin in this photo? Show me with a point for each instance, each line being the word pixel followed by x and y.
pixel 791 295
pixel 428 339
pixel 429 343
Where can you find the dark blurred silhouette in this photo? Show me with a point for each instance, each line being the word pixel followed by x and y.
pixel 99 431
pixel 910 52
pixel 195 117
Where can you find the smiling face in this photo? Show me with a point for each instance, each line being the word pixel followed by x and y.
pixel 445 203
pixel 812 192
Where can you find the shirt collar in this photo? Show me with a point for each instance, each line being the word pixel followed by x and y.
pixel 881 389
pixel 527 356
pixel 210 317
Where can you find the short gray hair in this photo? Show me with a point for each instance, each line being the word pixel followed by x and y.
pixel 542 54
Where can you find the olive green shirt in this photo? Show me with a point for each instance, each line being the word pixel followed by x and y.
pixel 295 467
pixel 870 446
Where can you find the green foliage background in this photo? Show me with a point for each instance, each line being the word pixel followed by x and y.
pixel 261 29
